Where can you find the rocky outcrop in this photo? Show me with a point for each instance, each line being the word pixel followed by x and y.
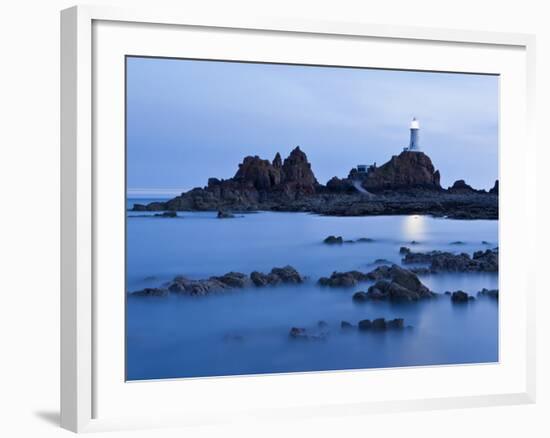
pixel 460 297
pixel 343 279
pixel 380 324
pixel 442 261
pixel 407 184
pixel 285 275
pixel 400 285
pixel 304 334
pixel 404 171
pixel 232 280
pixel 460 186
pixel 333 240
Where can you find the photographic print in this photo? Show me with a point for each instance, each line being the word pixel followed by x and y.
pixel 297 218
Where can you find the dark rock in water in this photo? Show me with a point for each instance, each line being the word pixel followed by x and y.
pixel 365 324
pixel 343 279
pixel 379 324
pixel 397 323
pixel 494 190
pixel 447 292
pixel 484 242
pixel 286 274
pixel 457 242
pixel 414 242
pixel 382 261
pixel 151 292
pixel 233 279
pixel 491 293
pixel 346 325
pixel 332 240
pixel 404 250
pixel 404 171
pixel 365 240
pixel 322 324
pixel 140 207
pixel 304 334
pixel 459 297
pixel 298 333
pixel 225 215
pixel 360 297
pixel 401 284
pixel 166 214
pixel 482 261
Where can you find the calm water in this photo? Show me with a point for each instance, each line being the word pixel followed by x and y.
pixel 246 331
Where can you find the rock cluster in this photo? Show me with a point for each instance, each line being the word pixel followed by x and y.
pixel 461 297
pixel 400 285
pixel 491 293
pixel 438 261
pixel 406 184
pixel 232 280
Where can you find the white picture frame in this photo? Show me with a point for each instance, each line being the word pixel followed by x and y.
pixel 83 371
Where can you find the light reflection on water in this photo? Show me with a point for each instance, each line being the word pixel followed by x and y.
pixel 246 332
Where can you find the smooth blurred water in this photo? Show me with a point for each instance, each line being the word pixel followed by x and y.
pixel 246 331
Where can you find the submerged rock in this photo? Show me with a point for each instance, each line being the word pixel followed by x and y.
pixel 225 215
pixel 166 214
pixel 346 325
pixel 343 279
pixel 306 335
pixel 151 292
pixel 380 324
pixel 491 293
pixel 333 240
pixel 459 297
pixel 360 297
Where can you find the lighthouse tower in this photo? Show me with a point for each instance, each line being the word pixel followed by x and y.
pixel 414 144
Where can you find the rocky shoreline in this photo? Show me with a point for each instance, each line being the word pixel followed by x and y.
pixel 407 184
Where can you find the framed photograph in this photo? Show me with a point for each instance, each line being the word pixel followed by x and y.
pixel 280 218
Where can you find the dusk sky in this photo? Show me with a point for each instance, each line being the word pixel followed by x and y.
pixel 191 120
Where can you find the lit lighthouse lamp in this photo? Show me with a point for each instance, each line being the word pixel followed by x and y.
pixel 414 144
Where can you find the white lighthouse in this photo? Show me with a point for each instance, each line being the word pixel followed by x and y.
pixel 414 143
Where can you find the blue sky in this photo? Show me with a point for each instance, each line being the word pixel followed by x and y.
pixel 190 120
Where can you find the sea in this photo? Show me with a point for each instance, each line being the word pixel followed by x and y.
pixel 246 331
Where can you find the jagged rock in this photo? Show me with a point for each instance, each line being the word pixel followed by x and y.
pixel 460 186
pixel 298 333
pixel 343 279
pixel 337 185
pixel 404 250
pixel 482 261
pixel 491 293
pixel 151 292
pixel 404 171
pixel 459 297
pixel 286 274
pixel 236 280
pixel 346 325
pixel 333 240
pixel 365 324
pixel 401 284
pixel 494 190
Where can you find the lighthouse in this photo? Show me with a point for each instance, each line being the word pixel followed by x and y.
pixel 414 144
